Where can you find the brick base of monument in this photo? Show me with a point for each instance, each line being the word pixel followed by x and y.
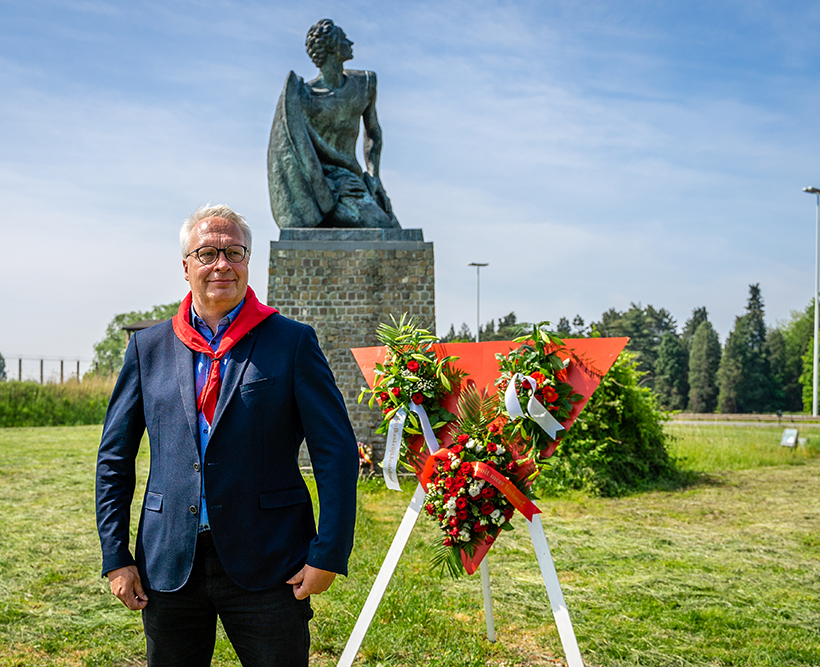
pixel 344 283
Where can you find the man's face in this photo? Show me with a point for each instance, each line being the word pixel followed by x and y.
pixel 219 287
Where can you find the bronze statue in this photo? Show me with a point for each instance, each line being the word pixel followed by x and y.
pixel 314 177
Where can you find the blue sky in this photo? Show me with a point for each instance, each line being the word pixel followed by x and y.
pixel 594 153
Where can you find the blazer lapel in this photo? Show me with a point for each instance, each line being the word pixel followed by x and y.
pixel 240 354
pixel 187 387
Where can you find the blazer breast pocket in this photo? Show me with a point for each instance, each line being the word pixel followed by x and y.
pixel 256 385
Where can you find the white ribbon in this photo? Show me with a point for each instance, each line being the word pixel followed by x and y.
pixel 393 445
pixel 392 448
pixel 537 412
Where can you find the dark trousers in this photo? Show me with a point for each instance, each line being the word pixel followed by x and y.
pixel 267 628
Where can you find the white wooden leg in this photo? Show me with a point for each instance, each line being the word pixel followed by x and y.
pixel 382 579
pixel 554 592
pixel 488 598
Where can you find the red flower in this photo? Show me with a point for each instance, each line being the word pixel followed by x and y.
pixel 511 466
pixel 386 410
pixel 490 539
pixel 384 396
pixel 493 428
pixel 487 508
pixel 448 542
pixel 453 531
pixel 412 365
pixel 462 439
pixel 479 528
pixel 538 376
pixel 456 449
pixel 453 521
pixel 462 515
pixel 491 447
pixel 431 509
pixel 525 384
pixel 417 398
pixel 550 394
pixel 448 483
pixel 508 513
pixel 396 391
pixel 487 492
pixel 461 502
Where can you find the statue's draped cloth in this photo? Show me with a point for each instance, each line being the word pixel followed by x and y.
pixel 305 170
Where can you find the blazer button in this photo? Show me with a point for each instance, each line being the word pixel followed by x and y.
pixel 192 509
pixel 196 467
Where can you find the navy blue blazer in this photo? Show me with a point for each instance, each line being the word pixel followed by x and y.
pixel 276 391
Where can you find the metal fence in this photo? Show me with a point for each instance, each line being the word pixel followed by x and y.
pixel 45 369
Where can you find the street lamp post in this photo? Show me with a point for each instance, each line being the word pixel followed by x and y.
pixel 815 191
pixel 477 266
pixel 485 566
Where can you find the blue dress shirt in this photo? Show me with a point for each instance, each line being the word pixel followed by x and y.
pixel 202 368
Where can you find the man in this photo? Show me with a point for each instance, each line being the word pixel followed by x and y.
pixel 227 391
pixel 314 177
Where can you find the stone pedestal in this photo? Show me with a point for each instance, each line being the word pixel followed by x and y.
pixel 344 283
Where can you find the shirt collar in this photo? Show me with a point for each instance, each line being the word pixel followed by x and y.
pixel 223 325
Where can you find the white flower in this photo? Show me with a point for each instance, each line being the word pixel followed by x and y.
pixel 474 490
pixel 450 506
pixel 470 443
pixel 464 535
pixel 495 514
pixel 500 451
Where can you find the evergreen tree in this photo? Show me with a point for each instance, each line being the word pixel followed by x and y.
pixel 745 377
pixel 450 336
pixel 580 329
pixel 2 368
pixel 464 334
pixel 730 371
pixel 757 393
pixel 699 315
pixel 563 328
pixel 704 361
pixel 671 387
pixel 611 324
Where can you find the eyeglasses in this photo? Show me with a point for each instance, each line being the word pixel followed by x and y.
pixel 207 254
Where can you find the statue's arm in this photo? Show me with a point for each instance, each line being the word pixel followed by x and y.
pixel 372 131
pixel 373 148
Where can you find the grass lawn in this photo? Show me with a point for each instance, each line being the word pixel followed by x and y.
pixel 724 572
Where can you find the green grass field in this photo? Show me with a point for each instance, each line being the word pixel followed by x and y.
pixel 724 572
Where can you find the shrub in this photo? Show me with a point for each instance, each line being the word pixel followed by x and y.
pixel 618 444
pixel 70 404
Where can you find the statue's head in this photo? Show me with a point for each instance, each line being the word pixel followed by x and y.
pixel 326 39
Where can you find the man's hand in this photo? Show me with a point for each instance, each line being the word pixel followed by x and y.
pixel 126 585
pixel 310 581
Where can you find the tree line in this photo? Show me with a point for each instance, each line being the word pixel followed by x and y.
pixel 758 369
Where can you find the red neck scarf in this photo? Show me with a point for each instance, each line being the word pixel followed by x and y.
pixel 252 313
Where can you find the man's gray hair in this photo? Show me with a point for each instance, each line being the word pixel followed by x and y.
pixel 208 211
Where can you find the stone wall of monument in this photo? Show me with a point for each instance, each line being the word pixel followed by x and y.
pixel 344 282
